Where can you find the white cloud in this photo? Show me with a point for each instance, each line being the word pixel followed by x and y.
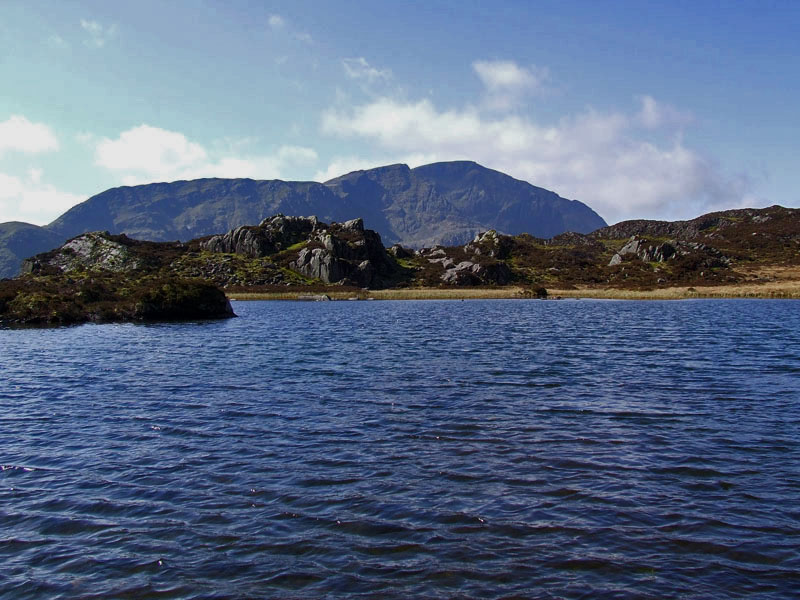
pixel 605 159
pixel 150 150
pixel 359 68
pixel 507 83
pixel 145 154
pixel 276 21
pixel 655 114
pixel 30 199
pixel 18 134
pixel 99 34
pixel 505 74
pixel 345 164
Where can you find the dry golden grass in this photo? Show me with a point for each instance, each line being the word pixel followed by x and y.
pixel 395 294
pixel 681 293
pixel 767 282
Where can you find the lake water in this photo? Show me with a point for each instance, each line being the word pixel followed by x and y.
pixel 478 449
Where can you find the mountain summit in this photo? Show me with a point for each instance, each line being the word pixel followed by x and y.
pixel 440 203
pixel 450 202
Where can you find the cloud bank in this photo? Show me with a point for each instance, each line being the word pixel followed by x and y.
pixel 615 161
pixel 145 154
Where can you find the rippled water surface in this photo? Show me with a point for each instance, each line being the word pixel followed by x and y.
pixel 486 449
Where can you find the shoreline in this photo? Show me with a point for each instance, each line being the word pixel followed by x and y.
pixel 783 290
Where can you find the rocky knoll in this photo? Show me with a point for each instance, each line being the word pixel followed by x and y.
pixel 714 249
pixel 104 278
pixel 477 263
pixel 339 253
pixel 712 225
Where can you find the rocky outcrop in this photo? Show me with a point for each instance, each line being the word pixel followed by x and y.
pixel 489 243
pixel 645 251
pixel 479 262
pixel 649 252
pixel 399 251
pixel 346 253
pixel 91 251
pixel 470 273
pixel 339 253
pixel 272 235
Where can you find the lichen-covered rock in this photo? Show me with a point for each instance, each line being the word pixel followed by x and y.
pixel 93 251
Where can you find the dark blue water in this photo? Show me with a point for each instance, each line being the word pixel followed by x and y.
pixel 486 449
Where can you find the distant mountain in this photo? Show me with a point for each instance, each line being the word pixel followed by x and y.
pixel 440 203
pixel 21 240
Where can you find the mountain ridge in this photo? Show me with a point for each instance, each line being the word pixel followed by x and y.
pixel 438 203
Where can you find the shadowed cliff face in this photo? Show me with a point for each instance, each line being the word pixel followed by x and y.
pixel 449 203
pixel 440 203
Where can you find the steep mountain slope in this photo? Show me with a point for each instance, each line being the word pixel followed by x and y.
pixel 20 240
pixel 448 203
pixel 437 203
pixel 187 209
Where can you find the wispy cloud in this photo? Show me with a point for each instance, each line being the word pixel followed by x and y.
pixel 276 21
pixel 56 41
pixel 654 114
pixel 279 23
pixel 508 83
pixel 98 34
pixel 359 68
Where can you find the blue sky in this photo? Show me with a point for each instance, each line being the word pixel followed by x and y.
pixel 639 109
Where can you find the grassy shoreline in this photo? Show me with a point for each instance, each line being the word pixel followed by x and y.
pixel 786 289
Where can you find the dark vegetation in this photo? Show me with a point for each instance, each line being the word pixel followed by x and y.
pixel 102 277
pixel 59 299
